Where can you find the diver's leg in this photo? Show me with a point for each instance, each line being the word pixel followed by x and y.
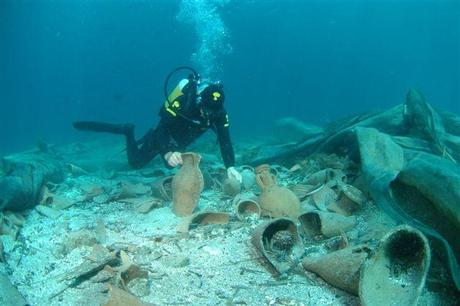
pixel 139 157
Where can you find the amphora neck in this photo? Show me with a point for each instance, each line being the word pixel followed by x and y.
pixel 265 179
pixel 190 159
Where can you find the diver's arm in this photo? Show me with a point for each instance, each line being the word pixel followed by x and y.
pixel 164 138
pixel 168 146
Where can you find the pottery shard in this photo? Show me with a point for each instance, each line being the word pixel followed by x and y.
pixel 129 190
pixel 119 297
pixel 144 204
pixel 162 188
pixel 231 187
pixel 92 191
pixel 129 271
pixel 303 190
pixel 353 193
pixel 246 206
pixel 203 218
pixel 98 259
pixel 324 197
pixel 147 205
pixel 314 223
pixel 56 201
pixel 78 239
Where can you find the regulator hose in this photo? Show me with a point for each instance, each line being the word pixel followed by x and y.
pixel 193 77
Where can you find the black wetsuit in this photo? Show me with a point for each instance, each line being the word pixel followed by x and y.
pixel 181 123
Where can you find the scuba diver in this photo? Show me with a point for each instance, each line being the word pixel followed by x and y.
pixel 190 110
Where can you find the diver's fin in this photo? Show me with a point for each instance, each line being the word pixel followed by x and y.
pixel 104 127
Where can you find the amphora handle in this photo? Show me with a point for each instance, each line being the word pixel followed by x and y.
pixel 264 178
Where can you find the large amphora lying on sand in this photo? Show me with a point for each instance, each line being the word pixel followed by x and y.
pixel 187 185
pixel 396 273
pixel 341 268
pixel 275 201
pixel 279 243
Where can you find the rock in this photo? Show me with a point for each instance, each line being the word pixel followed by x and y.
pixel 151 172
pixel 9 295
pixel 291 129
pixel 429 188
pixel 421 120
pixel 104 275
pixel 438 180
pixel 75 170
pixel 451 122
pixel 7 226
pixel 139 287
pixel 48 212
pixel 101 199
pixel 432 180
pixel 176 261
pixel 380 155
pixel 2 255
pixel 27 173
pixel 100 231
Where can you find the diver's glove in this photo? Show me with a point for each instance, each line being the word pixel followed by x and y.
pixel 232 173
pixel 173 158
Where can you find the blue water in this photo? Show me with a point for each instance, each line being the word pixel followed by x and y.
pixel 316 60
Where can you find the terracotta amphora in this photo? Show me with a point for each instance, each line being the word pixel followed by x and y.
pixel 187 185
pixel 396 272
pixel 279 243
pixel 341 268
pixel 275 201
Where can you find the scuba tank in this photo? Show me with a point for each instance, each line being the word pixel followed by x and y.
pixel 188 87
pixel 192 84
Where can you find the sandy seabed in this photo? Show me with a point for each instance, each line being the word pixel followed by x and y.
pixel 209 265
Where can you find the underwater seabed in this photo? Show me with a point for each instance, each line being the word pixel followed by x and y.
pixel 372 219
